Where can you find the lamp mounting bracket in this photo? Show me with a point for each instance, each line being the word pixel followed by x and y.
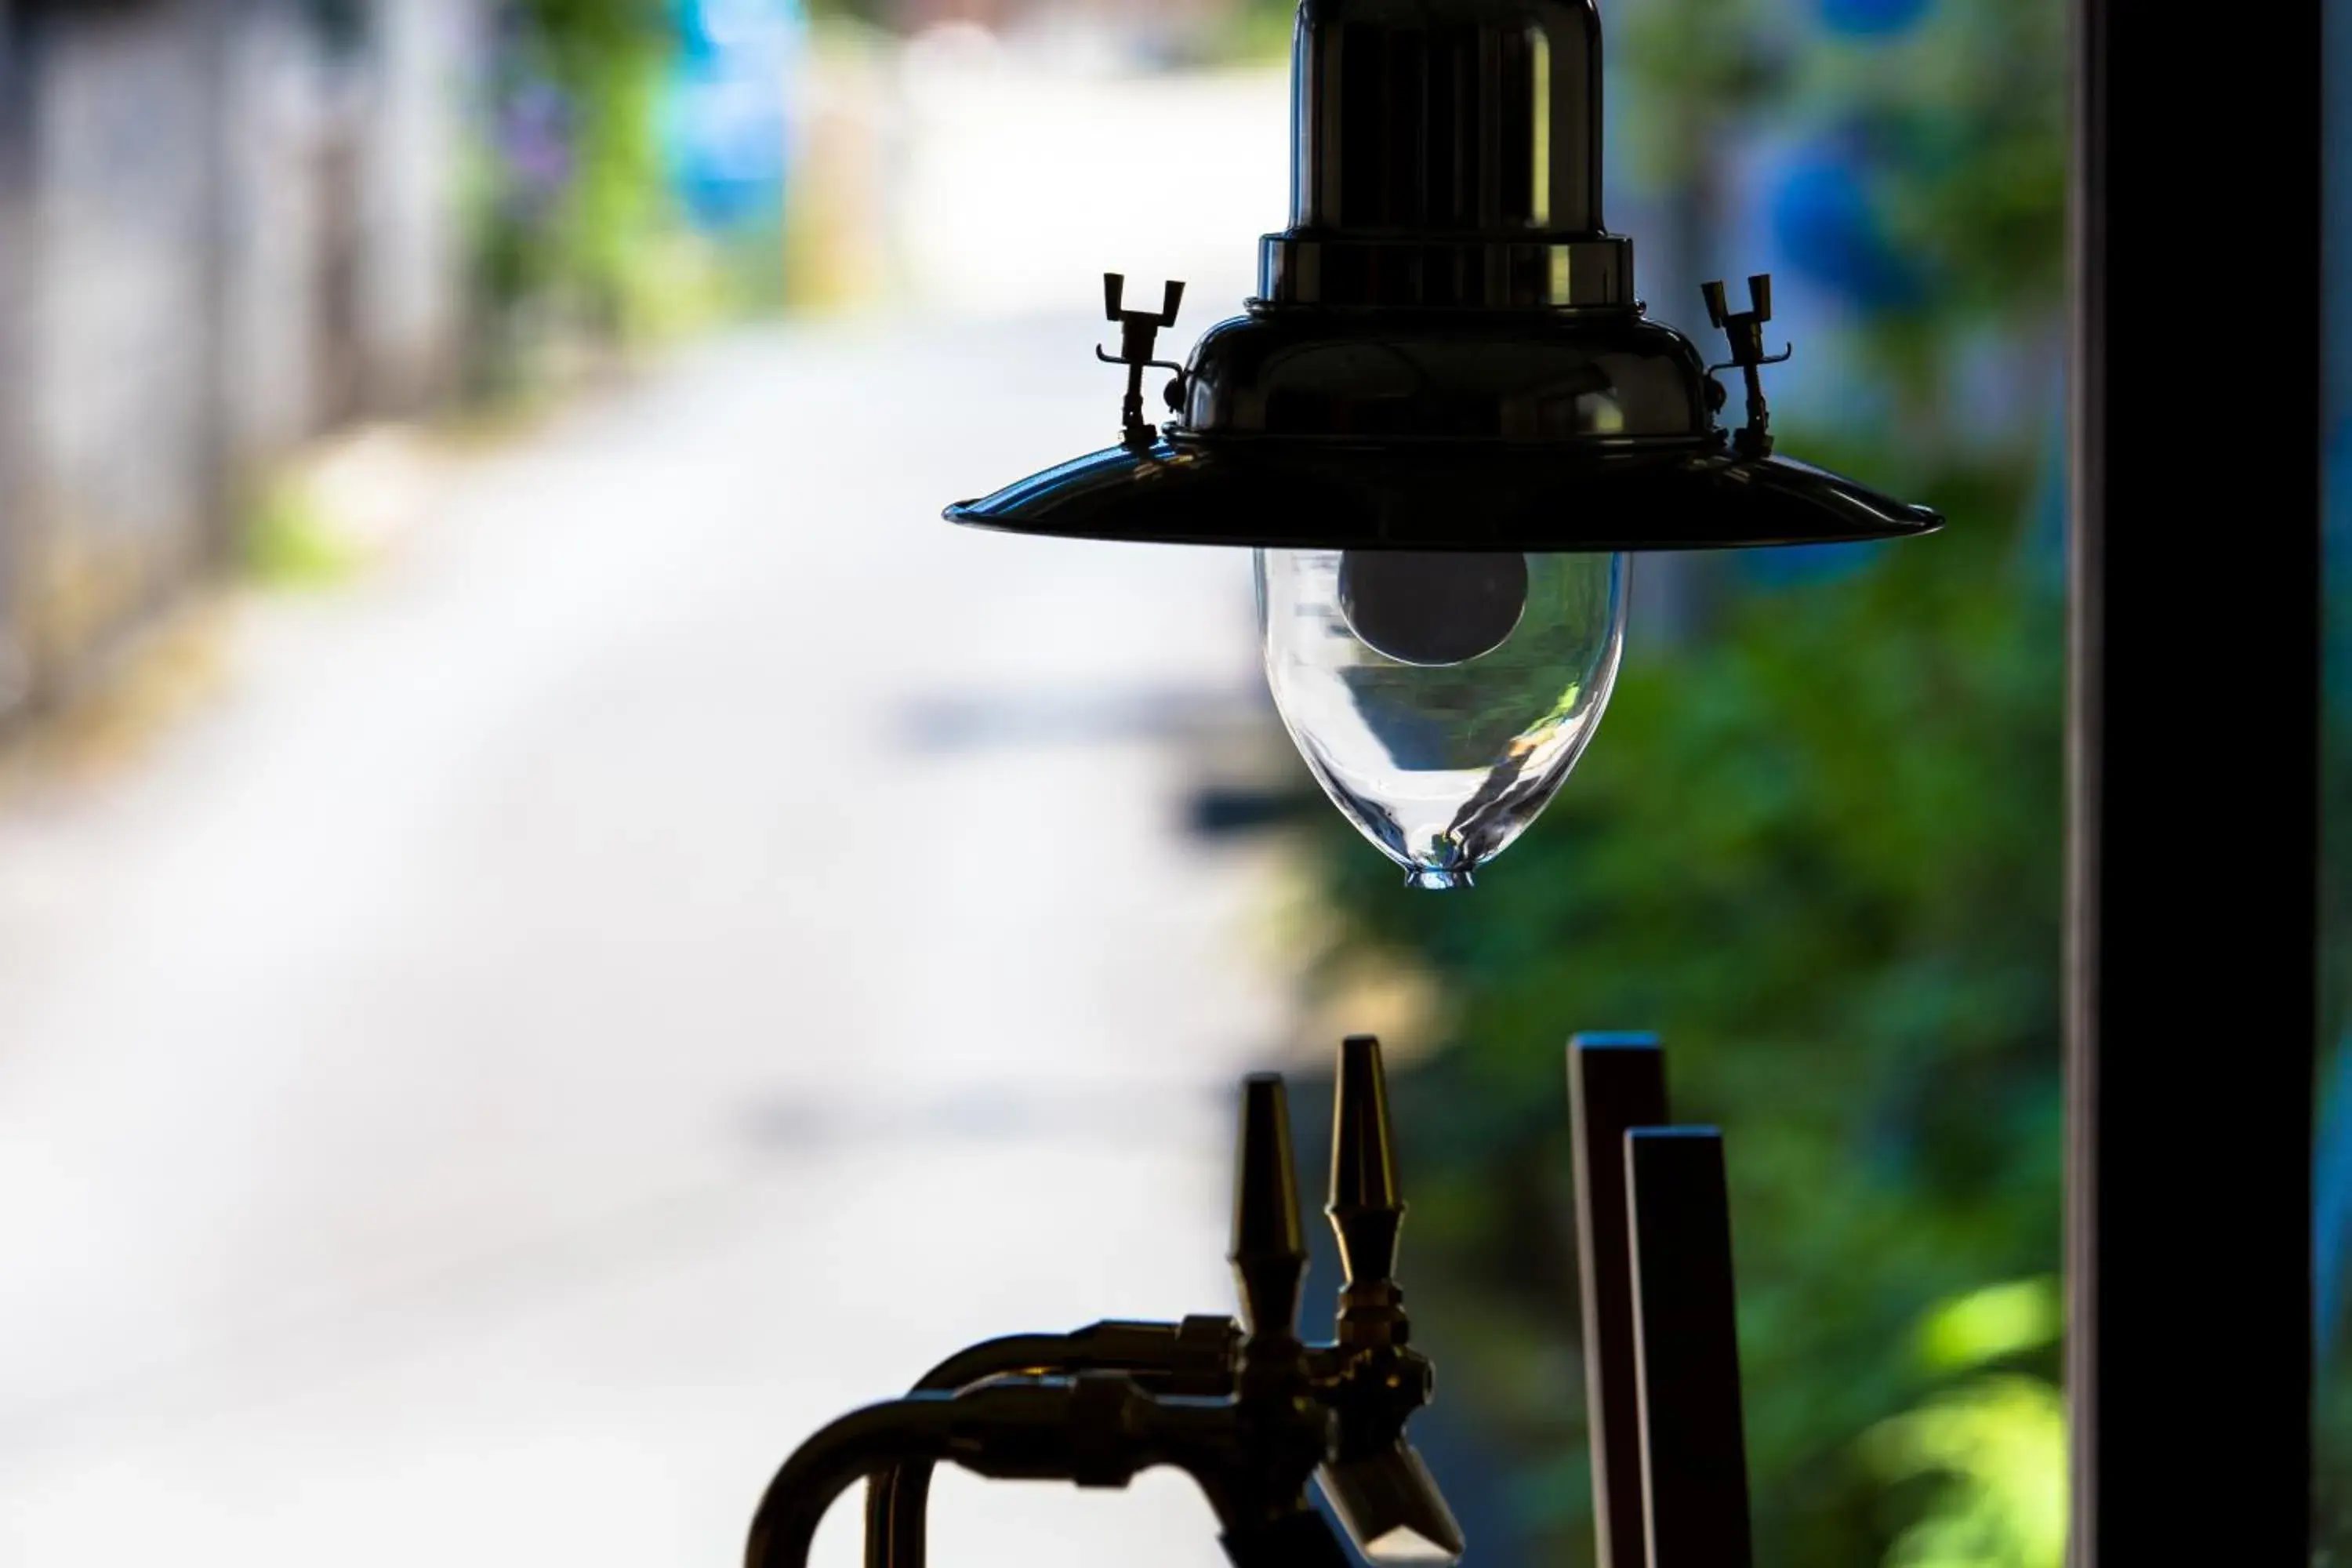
pixel 1138 332
pixel 1744 330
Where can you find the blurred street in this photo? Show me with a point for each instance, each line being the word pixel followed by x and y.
pixel 559 929
pixel 680 943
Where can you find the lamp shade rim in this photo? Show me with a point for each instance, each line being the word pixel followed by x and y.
pixel 1411 495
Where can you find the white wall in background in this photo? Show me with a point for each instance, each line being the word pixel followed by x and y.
pixel 1027 168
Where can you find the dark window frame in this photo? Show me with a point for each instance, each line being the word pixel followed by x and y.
pixel 2194 756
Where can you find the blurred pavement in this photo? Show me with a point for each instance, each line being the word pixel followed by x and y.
pixel 561 1022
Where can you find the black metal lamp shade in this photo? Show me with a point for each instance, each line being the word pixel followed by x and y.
pixel 1343 495
pixel 1446 351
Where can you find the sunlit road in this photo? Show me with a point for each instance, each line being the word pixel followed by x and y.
pixel 682 942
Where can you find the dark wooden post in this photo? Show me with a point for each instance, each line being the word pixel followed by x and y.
pixel 1615 1083
pixel 1693 1448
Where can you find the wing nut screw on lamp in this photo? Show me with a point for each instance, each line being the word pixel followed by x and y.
pixel 1443 424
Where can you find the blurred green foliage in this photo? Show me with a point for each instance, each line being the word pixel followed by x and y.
pixel 1993 1444
pixel 290 542
pixel 1820 853
pixel 571 186
pixel 580 244
pixel 1959 118
pixel 1819 848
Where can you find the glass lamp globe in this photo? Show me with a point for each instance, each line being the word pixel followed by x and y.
pixel 1440 697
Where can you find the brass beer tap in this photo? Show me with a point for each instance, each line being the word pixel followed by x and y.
pixel 1245 1408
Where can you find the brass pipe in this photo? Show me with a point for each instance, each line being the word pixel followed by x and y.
pixel 1249 1455
pixel 1190 1357
pixel 897 1501
pixel 860 1444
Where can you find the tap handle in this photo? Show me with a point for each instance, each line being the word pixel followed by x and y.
pixel 1365 1209
pixel 1366 1212
pixel 1376 1483
pixel 1269 1250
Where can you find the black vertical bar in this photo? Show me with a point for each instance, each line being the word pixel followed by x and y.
pixel 1616 1082
pixel 1687 1342
pixel 2193 781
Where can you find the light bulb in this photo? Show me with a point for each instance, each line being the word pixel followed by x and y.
pixel 1440 697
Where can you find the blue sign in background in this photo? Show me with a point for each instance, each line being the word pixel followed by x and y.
pixel 726 116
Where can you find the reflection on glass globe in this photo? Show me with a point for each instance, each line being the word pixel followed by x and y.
pixel 1440 697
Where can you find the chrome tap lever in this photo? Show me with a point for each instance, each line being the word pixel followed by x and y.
pixel 1376 1483
pixel 1269 1245
pixel 1365 1210
pixel 1281 1428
